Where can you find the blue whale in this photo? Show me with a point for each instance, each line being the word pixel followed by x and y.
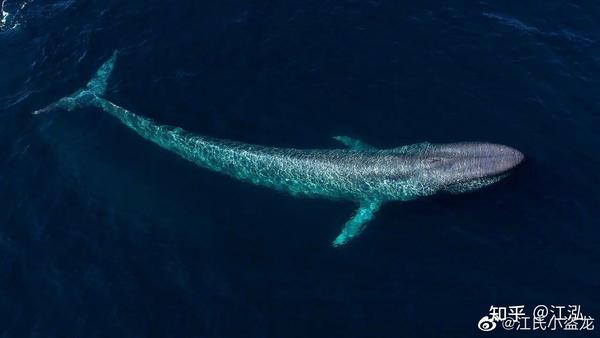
pixel 361 173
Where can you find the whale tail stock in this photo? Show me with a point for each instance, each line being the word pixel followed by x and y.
pixel 91 93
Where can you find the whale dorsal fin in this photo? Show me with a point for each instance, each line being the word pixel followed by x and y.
pixel 357 223
pixel 353 143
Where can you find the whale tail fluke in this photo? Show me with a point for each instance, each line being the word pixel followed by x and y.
pixel 99 82
pixel 95 89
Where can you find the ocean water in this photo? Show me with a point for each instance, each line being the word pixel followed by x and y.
pixel 103 234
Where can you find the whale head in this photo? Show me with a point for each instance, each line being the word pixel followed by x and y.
pixel 462 167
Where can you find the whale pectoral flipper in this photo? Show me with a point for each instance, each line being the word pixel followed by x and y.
pixel 357 223
pixel 353 143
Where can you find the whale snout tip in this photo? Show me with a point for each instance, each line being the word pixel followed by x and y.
pixel 503 159
pixel 493 159
pixel 516 157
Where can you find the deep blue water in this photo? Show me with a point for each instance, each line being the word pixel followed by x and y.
pixel 103 234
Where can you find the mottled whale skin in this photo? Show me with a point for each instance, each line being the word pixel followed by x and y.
pixel 360 173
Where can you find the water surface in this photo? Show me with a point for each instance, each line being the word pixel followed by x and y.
pixel 104 234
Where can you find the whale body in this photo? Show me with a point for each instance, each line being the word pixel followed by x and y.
pixel 359 172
